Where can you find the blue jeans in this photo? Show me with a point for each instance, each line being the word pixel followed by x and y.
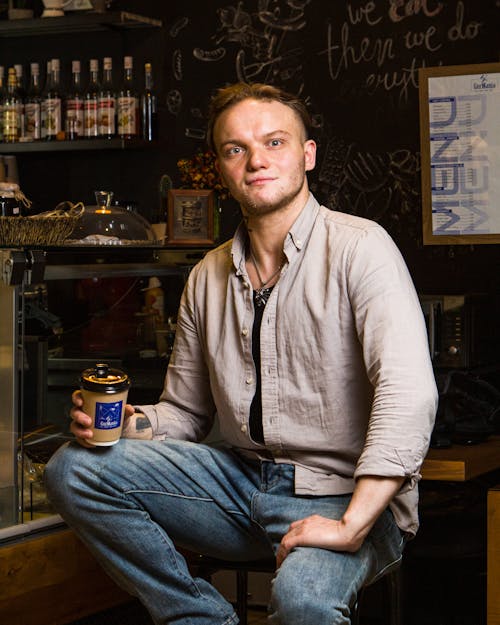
pixel 134 503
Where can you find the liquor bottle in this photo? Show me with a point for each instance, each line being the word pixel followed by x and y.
pixel 33 106
pixel 43 108
pixel 53 104
pixel 2 96
pixel 73 121
pixel 21 93
pixel 11 120
pixel 149 114
pixel 91 103
pixel 107 112
pixel 128 103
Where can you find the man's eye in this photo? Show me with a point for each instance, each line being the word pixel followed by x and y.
pixel 275 142
pixel 233 151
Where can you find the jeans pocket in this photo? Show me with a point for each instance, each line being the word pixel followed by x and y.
pixel 387 542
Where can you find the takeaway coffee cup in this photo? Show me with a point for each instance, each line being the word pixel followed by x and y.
pixel 105 392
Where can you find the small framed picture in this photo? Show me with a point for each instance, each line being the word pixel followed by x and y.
pixel 190 217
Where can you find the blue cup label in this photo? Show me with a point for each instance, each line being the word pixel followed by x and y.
pixel 108 415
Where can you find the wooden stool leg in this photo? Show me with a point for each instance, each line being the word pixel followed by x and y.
pixel 242 595
pixel 393 592
pixel 394 584
pixel 355 609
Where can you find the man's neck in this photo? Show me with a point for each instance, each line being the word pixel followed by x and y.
pixel 267 232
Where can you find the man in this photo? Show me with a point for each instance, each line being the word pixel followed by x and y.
pixel 305 336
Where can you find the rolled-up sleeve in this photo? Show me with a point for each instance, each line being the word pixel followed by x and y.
pixel 391 330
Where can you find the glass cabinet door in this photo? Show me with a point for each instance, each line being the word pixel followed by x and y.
pixel 52 329
pixel 9 394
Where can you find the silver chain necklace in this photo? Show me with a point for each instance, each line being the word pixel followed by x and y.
pixel 262 294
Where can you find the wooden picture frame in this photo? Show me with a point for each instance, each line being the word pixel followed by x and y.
pixel 460 150
pixel 190 217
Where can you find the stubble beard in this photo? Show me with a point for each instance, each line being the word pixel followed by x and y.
pixel 255 208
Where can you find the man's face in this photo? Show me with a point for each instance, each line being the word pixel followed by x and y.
pixel 263 155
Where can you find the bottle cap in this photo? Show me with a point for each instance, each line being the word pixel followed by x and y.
pixel 154 283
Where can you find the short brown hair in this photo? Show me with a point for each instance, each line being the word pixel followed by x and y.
pixel 233 94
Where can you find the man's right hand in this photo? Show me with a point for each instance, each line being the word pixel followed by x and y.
pixel 81 423
pixel 136 425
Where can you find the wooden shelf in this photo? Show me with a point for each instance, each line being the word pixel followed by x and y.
pixel 462 462
pixel 79 145
pixel 76 23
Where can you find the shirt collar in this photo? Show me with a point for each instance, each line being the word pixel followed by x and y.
pixel 297 236
pixel 301 229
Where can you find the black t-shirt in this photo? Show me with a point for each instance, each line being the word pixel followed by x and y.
pixel 255 421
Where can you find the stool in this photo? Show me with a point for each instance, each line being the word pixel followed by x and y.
pixel 207 566
pixel 392 581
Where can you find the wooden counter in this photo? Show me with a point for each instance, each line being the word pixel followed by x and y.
pixel 493 575
pixel 462 462
pixel 52 580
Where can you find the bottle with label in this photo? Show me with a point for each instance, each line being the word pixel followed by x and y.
pixel 10 117
pixel 9 200
pixel 43 108
pixel 91 103
pixel 52 103
pixel 149 112
pixel 2 97
pixel 73 121
pixel 154 300
pixel 107 112
pixel 21 92
pixel 33 106
pixel 128 103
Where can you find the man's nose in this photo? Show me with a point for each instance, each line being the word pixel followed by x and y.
pixel 257 158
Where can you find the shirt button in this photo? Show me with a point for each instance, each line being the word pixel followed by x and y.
pixel 249 380
pixel 244 428
pixel 244 332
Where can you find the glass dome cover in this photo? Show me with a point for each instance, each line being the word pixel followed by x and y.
pixel 104 224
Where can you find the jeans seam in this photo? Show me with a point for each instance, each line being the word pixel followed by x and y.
pixel 179 496
pixel 254 520
pixel 167 494
pixel 383 571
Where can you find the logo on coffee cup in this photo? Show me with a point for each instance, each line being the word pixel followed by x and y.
pixel 108 416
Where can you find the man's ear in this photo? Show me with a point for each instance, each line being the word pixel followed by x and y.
pixel 310 154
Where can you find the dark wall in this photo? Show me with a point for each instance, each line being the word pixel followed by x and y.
pixel 355 63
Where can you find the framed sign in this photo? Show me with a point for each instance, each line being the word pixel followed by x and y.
pixel 460 147
pixel 190 217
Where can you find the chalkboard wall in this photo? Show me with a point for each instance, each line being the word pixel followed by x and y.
pixel 356 65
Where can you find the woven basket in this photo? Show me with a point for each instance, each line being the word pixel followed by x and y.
pixel 50 229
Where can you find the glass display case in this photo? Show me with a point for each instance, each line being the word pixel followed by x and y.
pixel 63 310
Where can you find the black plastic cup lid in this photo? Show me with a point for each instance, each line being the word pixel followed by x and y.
pixel 102 379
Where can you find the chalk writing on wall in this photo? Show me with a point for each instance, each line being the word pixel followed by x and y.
pixel 356 66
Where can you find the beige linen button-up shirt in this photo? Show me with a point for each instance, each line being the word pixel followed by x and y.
pixel 347 383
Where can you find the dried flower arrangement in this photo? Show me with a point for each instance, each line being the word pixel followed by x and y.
pixel 199 172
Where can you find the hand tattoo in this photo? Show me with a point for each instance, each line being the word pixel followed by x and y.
pixel 142 423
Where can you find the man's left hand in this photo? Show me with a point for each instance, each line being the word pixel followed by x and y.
pixel 317 531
